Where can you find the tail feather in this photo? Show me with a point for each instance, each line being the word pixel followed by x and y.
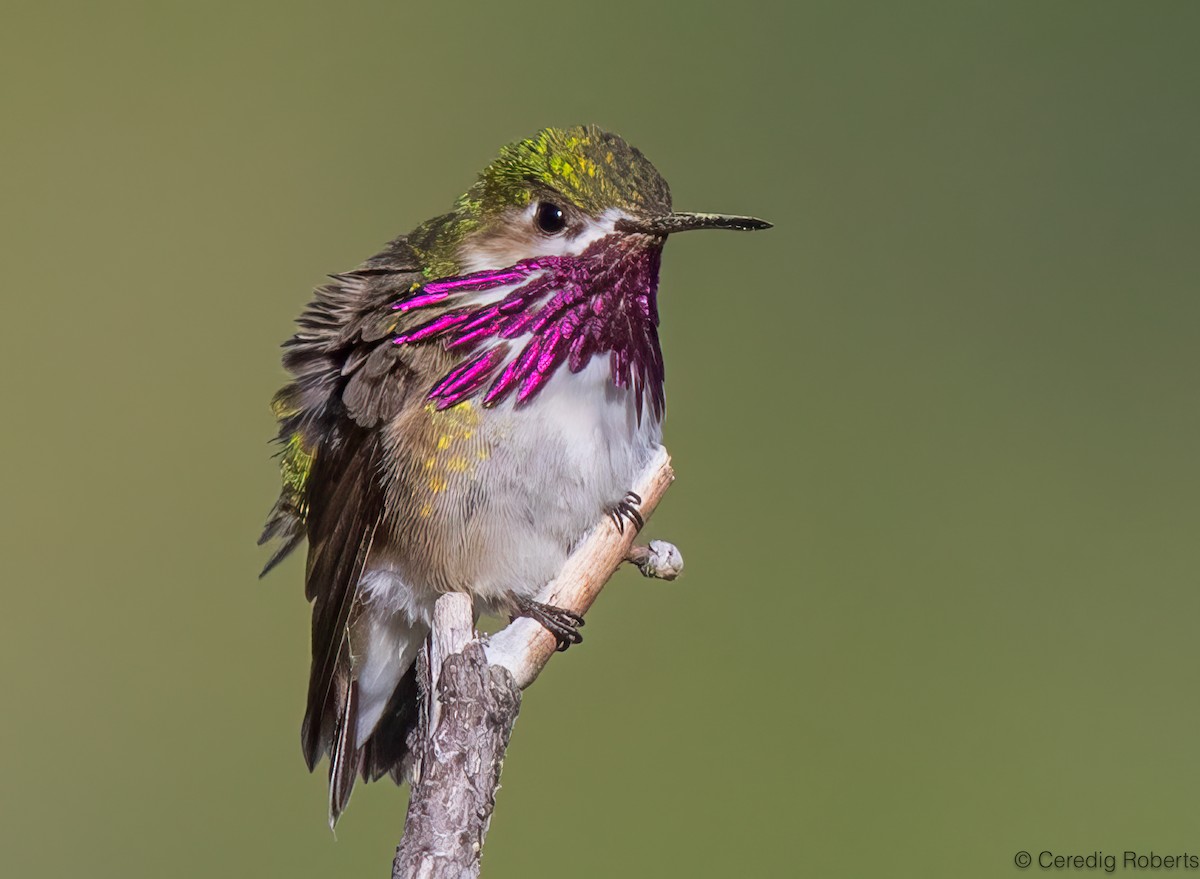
pixel 345 757
pixel 372 707
pixel 386 751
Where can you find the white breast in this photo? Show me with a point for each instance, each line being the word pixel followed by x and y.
pixel 561 461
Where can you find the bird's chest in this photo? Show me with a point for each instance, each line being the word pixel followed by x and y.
pixel 578 450
pixel 498 497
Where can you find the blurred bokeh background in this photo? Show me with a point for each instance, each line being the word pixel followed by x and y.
pixel 935 433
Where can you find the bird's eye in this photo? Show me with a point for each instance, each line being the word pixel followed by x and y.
pixel 551 219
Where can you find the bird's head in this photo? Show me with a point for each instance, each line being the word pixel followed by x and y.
pixel 556 194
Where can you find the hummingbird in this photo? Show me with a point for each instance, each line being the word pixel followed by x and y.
pixel 463 408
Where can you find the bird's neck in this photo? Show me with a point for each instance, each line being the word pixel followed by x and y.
pixel 517 326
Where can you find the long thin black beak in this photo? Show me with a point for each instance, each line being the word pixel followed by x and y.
pixel 677 222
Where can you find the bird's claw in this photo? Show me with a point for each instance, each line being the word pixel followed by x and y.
pixel 563 624
pixel 627 508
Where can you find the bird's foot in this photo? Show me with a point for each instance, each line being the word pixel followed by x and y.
pixel 627 509
pixel 563 624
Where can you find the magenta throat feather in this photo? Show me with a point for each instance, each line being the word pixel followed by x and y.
pixel 602 302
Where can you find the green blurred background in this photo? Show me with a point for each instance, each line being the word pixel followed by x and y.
pixel 935 433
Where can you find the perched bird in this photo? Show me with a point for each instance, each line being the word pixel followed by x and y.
pixel 463 407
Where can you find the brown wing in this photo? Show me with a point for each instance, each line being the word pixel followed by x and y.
pixel 348 380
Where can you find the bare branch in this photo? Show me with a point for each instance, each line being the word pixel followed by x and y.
pixel 658 559
pixel 471 708
pixel 472 701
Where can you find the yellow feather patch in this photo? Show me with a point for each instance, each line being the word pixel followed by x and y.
pixel 295 464
pixel 457 448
